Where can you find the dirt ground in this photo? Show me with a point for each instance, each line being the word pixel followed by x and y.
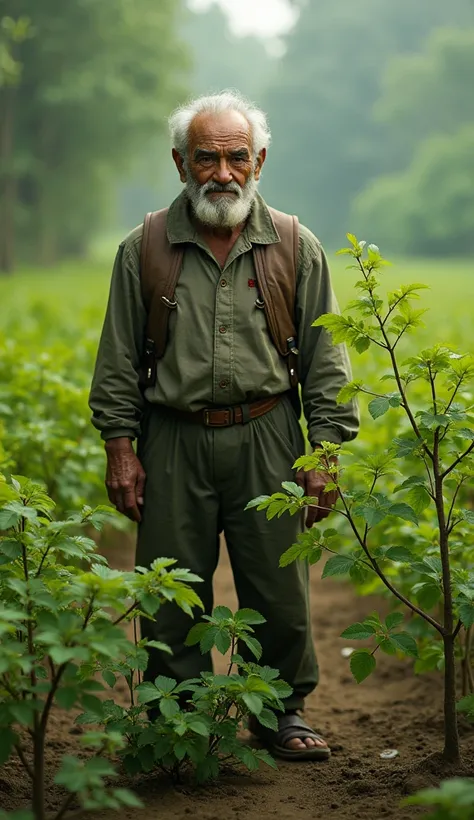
pixel 392 709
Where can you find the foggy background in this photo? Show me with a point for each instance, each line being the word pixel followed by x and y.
pixel 371 104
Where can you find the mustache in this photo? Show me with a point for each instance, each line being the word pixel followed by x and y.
pixel 221 188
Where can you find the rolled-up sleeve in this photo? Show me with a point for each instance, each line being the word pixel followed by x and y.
pixel 116 399
pixel 324 368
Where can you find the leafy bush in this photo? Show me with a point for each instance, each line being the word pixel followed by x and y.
pixel 60 628
pixel 454 800
pixel 417 482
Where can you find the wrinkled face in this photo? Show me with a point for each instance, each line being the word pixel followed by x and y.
pixel 220 171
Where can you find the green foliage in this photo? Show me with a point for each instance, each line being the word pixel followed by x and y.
pixel 407 511
pixel 453 800
pixel 60 614
pixel 103 77
pixel 322 99
pixel 426 204
pixel 196 723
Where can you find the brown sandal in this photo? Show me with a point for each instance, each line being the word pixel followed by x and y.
pixel 290 726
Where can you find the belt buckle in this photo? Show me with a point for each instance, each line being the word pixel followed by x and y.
pixel 229 420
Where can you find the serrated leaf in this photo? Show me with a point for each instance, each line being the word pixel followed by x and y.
pixel 393 620
pixel 466 705
pixel 169 707
pixel 358 632
pixel 293 489
pixel 254 645
pixel 249 616
pixel 405 643
pixel 196 634
pixel 378 407
pixel 428 595
pixel 268 719
pixel 466 613
pixel 253 702
pixel 337 565
pixel 362 664
pixel 223 641
pixel 403 511
pixel 400 554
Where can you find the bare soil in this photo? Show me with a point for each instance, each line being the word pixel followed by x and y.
pixel 392 709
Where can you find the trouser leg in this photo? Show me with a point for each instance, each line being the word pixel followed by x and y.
pixel 253 460
pixel 180 520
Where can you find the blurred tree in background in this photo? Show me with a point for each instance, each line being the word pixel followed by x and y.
pixel 329 137
pixel 94 83
pixel 427 108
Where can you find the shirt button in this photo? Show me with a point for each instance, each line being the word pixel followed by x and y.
pixel 222 329
pixel 223 384
pixel 223 283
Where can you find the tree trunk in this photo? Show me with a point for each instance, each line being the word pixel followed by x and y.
pixel 8 183
pixel 451 751
pixel 38 782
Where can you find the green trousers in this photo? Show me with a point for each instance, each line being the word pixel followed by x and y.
pixel 199 480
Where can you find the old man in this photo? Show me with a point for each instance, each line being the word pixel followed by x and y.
pixel 208 331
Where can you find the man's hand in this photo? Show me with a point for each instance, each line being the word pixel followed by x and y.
pixel 125 478
pixel 313 483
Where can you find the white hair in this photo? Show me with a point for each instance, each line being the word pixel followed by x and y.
pixel 181 119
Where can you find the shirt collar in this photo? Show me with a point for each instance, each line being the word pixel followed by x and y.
pixel 259 228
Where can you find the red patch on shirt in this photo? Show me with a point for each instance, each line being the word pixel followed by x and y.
pixel 252 283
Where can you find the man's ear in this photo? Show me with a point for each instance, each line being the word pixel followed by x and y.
pixel 259 163
pixel 179 162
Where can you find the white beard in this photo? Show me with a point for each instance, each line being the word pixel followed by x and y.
pixel 224 212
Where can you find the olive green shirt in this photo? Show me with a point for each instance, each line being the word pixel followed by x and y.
pixel 219 348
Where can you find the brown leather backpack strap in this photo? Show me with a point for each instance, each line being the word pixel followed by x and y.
pixel 160 266
pixel 277 267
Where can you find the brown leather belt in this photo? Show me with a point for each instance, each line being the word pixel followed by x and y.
pixel 226 416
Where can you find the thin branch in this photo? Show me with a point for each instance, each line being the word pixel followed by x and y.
pixel 448 406
pixel 51 694
pixel 63 809
pixel 21 754
pixel 396 373
pixel 457 629
pixel 433 390
pixel 458 461
pixel 126 614
pixel 384 578
pixel 450 513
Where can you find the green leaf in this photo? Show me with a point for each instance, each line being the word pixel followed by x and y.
pixel 169 707
pixel 466 705
pixel 393 620
pixel 147 692
pixel 162 647
pixel 338 565
pixel 223 641
pixel 222 613
pixel 253 702
pixel 8 738
pixel 198 727
pixel 293 489
pixel 196 634
pixel 405 643
pixel 362 344
pixel 249 616
pixel 8 518
pixel 379 406
pixel 165 685
pixel 428 594
pixel 466 613
pixel 400 554
pixel 358 632
pixel 127 798
pixel 254 645
pixel 109 678
pixel 362 665
pixel 257 502
pixel 403 511
pixel 268 719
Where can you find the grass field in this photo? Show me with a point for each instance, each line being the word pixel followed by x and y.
pixel 76 286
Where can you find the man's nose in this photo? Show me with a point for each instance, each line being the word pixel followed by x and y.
pixel 222 173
